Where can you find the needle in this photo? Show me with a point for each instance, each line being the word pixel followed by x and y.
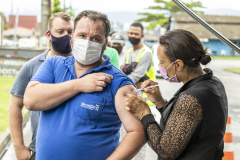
pixel 142 89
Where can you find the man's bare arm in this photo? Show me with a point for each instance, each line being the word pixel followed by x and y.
pixel 44 96
pixel 15 124
pixel 134 139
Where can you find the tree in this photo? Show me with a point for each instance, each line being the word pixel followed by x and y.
pixel 5 26
pixel 162 19
pixel 56 8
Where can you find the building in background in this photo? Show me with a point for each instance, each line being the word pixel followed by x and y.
pixel 19 44
pixel 26 38
pixel 228 26
pixel 22 32
pixel 29 22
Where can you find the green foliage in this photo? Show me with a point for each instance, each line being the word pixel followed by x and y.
pixel 5 26
pixel 162 19
pixel 70 11
pixel 56 8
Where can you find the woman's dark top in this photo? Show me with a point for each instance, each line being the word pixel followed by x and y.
pixel 193 122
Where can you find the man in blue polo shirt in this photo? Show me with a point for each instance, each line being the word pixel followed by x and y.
pixel 81 113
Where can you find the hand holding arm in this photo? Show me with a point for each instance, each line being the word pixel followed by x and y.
pixel 137 106
pixel 45 96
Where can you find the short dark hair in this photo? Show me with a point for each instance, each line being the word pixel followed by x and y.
pixel 63 15
pixel 184 45
pixel 137 24
pixel 94 15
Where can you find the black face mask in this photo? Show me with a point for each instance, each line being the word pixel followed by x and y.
pixel 118 48
pixel 62 44
pixel 134 40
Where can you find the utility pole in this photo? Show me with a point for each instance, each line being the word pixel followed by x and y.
pixel 46 10
pixel 11 18
pixel 15 29
pixel 64 6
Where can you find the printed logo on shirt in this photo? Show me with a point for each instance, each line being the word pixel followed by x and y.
pixel 90 106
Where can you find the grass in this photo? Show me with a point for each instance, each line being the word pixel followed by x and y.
pixel 5 85
pixel 236 70
pixel 228 58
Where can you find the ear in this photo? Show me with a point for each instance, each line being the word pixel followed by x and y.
pixel 142 36
pixel 179 64
pixel 48 35
pixel 72 39
pixel 105 45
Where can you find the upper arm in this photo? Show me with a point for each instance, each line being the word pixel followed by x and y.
pixel 147 57
pixel 21 81
pixel 32 84
pixel 129 122
pixel 45 73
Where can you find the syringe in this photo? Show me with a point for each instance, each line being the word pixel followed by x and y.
pixel 142 89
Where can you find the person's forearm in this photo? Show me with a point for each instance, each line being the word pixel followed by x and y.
pixel 129 146
pixel 15 124
pixel 161 103
pixel 43 96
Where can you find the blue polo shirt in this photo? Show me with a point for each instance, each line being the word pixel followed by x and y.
pixel 84 127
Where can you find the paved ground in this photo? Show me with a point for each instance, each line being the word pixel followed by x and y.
pixel 10 154
pixel 231 82
pixel 232 86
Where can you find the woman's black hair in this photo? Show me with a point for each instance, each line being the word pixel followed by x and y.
pixel 184 45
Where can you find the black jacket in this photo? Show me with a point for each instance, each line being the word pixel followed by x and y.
pixel 207 141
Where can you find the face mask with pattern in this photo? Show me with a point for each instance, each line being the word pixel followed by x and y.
pixel 163 72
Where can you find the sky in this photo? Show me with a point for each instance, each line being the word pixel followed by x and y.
pixel 33 7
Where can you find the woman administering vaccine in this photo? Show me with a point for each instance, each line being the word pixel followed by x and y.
pixel 193 122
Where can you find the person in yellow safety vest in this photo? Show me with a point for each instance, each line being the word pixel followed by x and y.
pixel 139 59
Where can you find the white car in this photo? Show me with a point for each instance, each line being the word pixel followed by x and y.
pixel 156 61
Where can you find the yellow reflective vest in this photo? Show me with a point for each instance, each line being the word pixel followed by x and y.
pixel 150 73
